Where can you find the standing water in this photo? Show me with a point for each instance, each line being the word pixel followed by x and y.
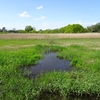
pixel 49 63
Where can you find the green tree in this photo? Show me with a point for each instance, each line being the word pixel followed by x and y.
pixel 94 28
pixel 55 31
pixel 40 31
pixel 4 29
pixel 33 31
pixel 0 30
pixel 47 31
pixel 62 29
pixel 14 30
pixel 28 28
pixel 74 28
pixel 21 31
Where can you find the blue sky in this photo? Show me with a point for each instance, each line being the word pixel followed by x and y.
pixel 48 14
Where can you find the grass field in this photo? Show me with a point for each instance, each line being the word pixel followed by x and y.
pixel 83 80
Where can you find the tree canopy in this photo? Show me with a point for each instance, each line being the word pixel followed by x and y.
pixel 70 28
pixel 28 28
pixel 94 28
pixel 74 28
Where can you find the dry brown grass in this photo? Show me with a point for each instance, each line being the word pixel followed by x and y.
pixel 43 36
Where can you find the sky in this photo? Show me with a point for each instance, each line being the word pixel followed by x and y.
pixel 48 14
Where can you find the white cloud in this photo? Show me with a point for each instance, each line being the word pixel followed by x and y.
pixel 41 18
pixel 40 7
pixel 24 14
pixel 46 24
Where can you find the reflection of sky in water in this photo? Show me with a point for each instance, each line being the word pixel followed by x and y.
pixel 48 63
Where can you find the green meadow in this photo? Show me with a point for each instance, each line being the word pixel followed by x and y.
pixel 82 81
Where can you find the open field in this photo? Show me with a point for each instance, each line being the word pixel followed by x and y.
pixel 43 36
pixel 82 81
pixel 14 44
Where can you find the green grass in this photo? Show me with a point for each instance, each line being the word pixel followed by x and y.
pixel 68 83
pixel 84 55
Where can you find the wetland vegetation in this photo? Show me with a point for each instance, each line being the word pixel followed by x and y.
pixel 81 83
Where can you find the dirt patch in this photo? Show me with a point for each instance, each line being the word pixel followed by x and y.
pixel 44 36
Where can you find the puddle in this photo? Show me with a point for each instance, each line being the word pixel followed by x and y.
pixel 49 63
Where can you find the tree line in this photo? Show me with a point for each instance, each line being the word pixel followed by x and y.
pixel 70 28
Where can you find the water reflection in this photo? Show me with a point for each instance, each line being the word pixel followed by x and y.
pixel 49 63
